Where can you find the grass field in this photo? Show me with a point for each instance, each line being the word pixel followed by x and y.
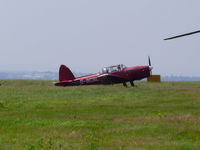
pixel 35 115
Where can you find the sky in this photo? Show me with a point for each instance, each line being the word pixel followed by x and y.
pixel 87 35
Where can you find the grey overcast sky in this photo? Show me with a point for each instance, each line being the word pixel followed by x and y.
pixel 86 35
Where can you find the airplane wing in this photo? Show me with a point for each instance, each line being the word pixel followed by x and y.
pixel 110 78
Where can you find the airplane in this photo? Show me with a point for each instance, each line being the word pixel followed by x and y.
pixel 186 34
pixel 109 75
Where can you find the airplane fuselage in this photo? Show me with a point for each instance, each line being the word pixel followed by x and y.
pixel 109 76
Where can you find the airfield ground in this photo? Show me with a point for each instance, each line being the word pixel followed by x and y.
pixel 36 115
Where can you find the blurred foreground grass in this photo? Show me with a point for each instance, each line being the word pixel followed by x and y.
pixel 36 115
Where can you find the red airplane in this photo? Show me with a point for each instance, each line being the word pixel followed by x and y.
pixel 109 75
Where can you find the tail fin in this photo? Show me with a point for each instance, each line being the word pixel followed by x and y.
pixel 65 73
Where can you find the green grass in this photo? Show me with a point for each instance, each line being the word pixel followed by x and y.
pixel 35 115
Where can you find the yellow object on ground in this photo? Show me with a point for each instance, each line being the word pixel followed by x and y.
pixel 154 78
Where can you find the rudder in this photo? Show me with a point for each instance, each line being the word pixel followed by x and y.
pixel 65 73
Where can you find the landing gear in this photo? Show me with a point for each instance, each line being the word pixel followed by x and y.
pixel 124 84
pixel 132 84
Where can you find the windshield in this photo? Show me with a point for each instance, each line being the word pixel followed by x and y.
pixel 113 68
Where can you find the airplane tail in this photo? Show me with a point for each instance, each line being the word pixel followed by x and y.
pixel 65 74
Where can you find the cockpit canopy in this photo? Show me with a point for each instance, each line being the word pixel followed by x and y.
pixel 113 68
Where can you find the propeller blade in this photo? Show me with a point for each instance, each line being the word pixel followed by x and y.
pixel 149 61
pixel 186 34
pixel 150 67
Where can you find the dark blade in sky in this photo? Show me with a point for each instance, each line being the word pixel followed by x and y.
pixel 186 34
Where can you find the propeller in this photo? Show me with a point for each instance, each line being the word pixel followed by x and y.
pixel 186 34
pixel 149 60
pixel 150 67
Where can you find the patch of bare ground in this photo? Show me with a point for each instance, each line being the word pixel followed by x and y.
pixel 73 134
pixel 135 142
pixel 176 87
pixel 160 117
pixel 190 90
pixel 186 117
pixel 137 119
pixel 186 89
